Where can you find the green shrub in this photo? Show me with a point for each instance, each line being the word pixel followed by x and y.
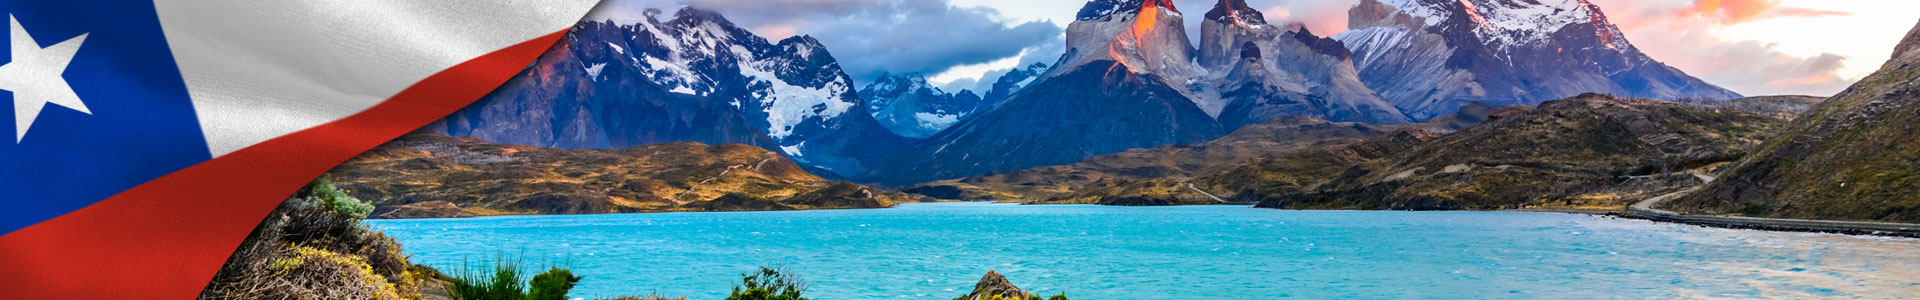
pixel 647 297
pixel 768 284
pixel 552 285
pixel 508 281
pixel 330 196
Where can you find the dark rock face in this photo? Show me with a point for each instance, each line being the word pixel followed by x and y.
pixel 909 107
pixel 739 202
pixel 1590 151
pixel 1323 45
pixel 842 195
pixel 1235 12
pixel 1098 109
pixel 696 77
pixel 994 286
pixel 1012 81
pixel 1853 157
pixel 1431 57
pixel 1264 71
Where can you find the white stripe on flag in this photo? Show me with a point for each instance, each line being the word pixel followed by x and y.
pixel 259 69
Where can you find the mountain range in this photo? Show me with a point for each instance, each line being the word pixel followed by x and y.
pixel 910 107
pixel 1130 78
pixel 695 77
pixel 1429 57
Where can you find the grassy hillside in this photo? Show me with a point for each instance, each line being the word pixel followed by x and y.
pixel 433 175
pixel 1586 152
pixel 1087 181
pixel 1852 158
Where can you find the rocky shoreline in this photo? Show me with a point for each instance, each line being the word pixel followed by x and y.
pixel 1644 210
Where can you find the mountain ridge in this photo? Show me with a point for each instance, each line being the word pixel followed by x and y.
pixel 1428 57
pixel 1850 158
pixel 608 84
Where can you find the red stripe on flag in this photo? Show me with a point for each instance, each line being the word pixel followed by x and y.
pixel 166 238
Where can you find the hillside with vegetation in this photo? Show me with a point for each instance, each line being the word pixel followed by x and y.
pixel 1073 183
pixel 1172 175
pixel 1587 152
pixel 1852 158
pixel 429 175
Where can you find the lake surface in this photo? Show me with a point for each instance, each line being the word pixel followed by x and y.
pixel 937 251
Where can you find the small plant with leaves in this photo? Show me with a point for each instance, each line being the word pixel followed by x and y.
pixel 506 283
pixel 768 284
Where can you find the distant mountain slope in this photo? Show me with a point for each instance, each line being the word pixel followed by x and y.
pixel 1131 79
pixel 695 77
pixel 1011 82
pixel 1261 71
pixel 1430 57
pixel 1173 162
pixel 1100 108
pixel 1853 157
pixel 910 107
pixel 1586 152
pixel 1158 175
pixel 434 175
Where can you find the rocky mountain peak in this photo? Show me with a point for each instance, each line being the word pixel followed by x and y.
pixel 1431 57
pixel 1100 10
pixel 1236 12
pixel 1908 44
pixel 696 15
pixel 1507 22
pixel 1146 36
pixel 890 83
pixel 1013 81
pixel 1322 45
pixel 907 105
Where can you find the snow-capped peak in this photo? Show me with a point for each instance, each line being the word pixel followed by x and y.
pixel 1236 12
pixel 1101 10
pixel 1513 22
pixel 908 106
pixel 889 83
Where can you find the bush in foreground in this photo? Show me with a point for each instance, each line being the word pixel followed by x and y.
pixel 768 284
pixel 507 281
pixel 313 247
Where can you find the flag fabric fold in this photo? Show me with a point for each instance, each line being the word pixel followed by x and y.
pixel 151 137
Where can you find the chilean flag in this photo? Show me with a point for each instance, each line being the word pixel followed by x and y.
pixel 149 138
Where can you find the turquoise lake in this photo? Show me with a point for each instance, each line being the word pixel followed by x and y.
pixel 938 250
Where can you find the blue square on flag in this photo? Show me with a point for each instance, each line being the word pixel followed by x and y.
pixel 98 106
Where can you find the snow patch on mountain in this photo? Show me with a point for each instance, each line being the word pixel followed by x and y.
pixel 594 71
pixel 937 119
pixel 1511 22
pixel 910 107
pixel 787 105
pixel 1372 36
pixel 794 150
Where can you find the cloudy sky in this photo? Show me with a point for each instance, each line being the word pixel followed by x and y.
pixel 1755 47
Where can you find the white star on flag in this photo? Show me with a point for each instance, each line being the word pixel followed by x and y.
pixel 34 77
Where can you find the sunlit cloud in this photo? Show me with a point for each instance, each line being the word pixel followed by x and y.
pixel 1728 12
